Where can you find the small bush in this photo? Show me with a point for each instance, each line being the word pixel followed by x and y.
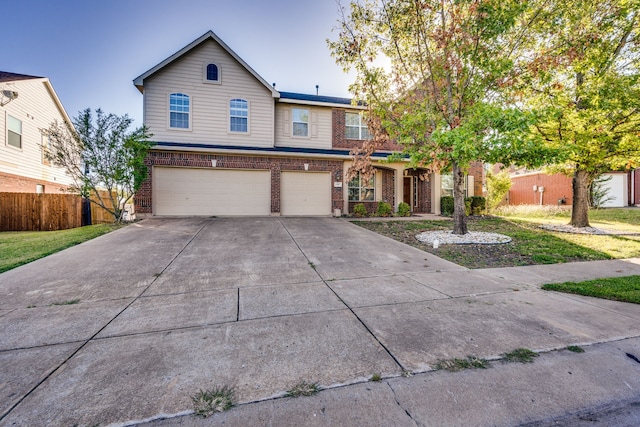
pixel 467 206
pixel 384 209
pixel 497 188
pixel 360 211
pixel 446 205
pixel 404 209
pixel 477 204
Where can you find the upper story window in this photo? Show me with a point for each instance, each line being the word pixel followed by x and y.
pixel 14 132
pixel 212 73
pixel 300 122
pixel 238 115
pixel 179 111
pixel 361 190
pixel 356 127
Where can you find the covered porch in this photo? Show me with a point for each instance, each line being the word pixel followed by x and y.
pixel 394 183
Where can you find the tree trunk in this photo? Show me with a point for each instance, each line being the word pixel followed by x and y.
pixel 459 210
pixel 580 210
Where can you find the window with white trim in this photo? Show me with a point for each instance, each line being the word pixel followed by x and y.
pixel 179 111
pixel 356 127
pixel 300 119
pixel 446 184
pixel 212 73
pixel 238 115
pixel 361 190
pixel 14 132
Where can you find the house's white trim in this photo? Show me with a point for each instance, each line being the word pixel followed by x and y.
pixel 209 35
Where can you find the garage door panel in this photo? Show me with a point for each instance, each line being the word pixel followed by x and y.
pixel 185 191
pixel 305 193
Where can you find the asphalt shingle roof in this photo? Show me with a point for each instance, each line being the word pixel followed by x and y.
pixel 6 76
pixel 315 98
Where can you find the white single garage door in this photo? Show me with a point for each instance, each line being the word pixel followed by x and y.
pixel 186 191
pixel 305 193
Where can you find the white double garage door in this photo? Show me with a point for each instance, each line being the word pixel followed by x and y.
pixel 234 192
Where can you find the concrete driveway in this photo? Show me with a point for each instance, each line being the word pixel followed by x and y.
pixel 127 327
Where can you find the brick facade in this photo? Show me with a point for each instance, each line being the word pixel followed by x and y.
pixel 10 183
pixel 476 169
pixel 143 199
pixel 339 139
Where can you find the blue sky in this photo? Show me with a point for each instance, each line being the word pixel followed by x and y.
pixel 92 50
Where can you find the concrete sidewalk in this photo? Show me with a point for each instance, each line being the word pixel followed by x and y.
pixel 171 306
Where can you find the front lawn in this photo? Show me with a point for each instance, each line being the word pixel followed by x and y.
pixel 21 247
pixel 625 289
pixel 530 245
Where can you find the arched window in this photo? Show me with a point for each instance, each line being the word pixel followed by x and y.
pixel 212 74
pixel 238 115
pixel 179 110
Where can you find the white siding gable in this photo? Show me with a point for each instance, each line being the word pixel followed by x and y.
pixel 36 109
pixel 209 103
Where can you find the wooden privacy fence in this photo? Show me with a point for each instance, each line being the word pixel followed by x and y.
pixel 98 214
pixel 39 212
pixel 47 212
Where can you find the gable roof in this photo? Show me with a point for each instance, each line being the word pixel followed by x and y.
pixel 209 35
pixel 6 76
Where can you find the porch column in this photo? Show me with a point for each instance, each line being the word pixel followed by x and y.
pixel 398 191
pixel 436 187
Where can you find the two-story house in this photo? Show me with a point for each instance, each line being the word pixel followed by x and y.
pixel 228 143
pixel 28 104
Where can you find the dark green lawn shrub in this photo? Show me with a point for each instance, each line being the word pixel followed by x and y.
pixel 404 209
pixel 360 211
pixel 384 209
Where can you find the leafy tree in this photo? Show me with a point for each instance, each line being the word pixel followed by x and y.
pixel 431 73
pixel 100 153
pixel 498 187
pixel 587 91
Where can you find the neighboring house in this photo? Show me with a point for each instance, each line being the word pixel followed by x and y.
pixel 228 143
pixel 27 105
pixel 538 188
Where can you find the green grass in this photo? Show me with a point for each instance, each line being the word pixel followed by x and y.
pixel 530 244
pixel 21 247
pixel 303 388
pixel 454 365
pixel 626 289
pixel 627 219
pixel 520 355
pixel 69 302
pixel 217 399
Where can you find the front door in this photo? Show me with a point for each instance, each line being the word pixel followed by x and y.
pixel 406 187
